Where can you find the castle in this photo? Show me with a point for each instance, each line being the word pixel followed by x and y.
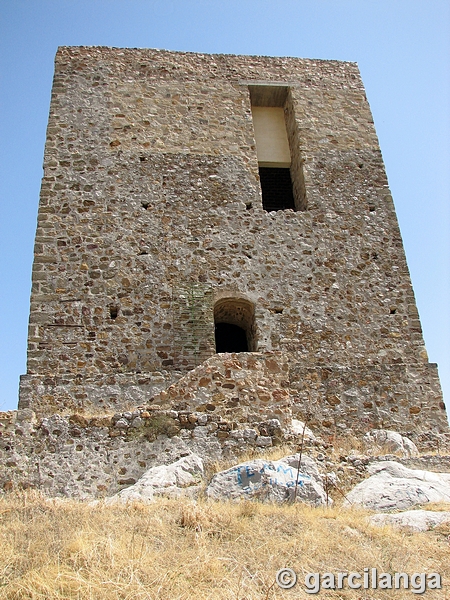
pixel 216 237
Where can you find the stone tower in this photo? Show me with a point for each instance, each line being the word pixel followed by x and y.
pixel 216 232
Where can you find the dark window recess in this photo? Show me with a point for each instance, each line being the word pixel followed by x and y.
pixel 230 338
pixel 276 187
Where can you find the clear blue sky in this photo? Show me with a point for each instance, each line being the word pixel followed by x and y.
pixel 403 51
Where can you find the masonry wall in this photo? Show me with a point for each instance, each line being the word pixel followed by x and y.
pixel 151 212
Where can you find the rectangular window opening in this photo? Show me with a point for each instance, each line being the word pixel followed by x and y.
pixel 276 188
pixel 277 147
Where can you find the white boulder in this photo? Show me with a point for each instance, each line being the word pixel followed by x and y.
pixel 270 480
pixel 395 487
pixel 390 441
pixel 182 477
pixel 298 427
pixel 413 520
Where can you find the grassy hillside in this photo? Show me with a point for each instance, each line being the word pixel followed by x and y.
pixel 179 549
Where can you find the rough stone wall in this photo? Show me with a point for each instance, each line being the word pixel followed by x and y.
pixel 150 193
pixel 88 457
pixel 85 457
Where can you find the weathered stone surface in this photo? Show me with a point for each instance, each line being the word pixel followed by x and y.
pixel 390 441
pixel 263 441
pixel 413 520
pixel 299 429
pixel 271 481
pixel 392 486
pixel 87 457
pixel 152 230
pixel 179 478
pixel 151 222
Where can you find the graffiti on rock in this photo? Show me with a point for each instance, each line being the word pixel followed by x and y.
pixel 269 474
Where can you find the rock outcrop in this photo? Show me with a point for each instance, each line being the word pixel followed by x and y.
pixel 390 441
pixel 413 520
pixel 395 487
pixel 272 481
pixel 182 477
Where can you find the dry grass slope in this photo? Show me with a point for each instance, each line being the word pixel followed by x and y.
pixel 178 549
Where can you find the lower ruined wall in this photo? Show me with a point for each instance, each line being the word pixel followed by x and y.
pixel 97 457
pixel 109 432
pixel 405 398
pixel 257 386
pixel 67 394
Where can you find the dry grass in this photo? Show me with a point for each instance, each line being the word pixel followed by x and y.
pixel 179 549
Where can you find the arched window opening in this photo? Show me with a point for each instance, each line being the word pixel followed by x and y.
pixel 234 320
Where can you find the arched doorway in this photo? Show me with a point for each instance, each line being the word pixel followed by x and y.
pixel 234 320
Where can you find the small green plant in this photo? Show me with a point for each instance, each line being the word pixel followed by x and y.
pixel 159 424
